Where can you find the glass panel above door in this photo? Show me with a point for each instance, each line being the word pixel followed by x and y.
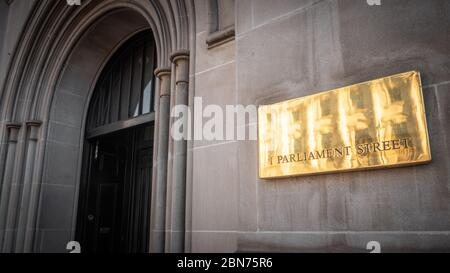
pixel 125 88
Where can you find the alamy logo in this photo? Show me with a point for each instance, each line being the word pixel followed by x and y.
pixel 213 122
pixel 73 247
pixel 374 247
pixel 73 2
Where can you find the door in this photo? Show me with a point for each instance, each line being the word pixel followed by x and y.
pixel 136 209
pixel 116 212
pixel 105 193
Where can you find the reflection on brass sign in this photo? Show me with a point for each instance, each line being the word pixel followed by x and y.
pixel 375 124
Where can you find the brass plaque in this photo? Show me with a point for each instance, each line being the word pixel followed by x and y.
pixel 376 124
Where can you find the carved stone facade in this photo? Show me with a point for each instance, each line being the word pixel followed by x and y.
pixel 206 195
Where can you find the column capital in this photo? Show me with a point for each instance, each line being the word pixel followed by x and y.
pixel 33 125
pixel 182 54
pixel 162 71
pixel 164 74
pixel 181 60
pixel 13 125
pixel 13 128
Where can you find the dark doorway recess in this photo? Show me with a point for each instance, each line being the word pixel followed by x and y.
pixel 115 190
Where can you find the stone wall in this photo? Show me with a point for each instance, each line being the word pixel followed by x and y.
pixel 215 168
pixel 293 48
pixel 288 49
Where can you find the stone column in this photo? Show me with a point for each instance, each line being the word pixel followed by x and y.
pixel 28 203
pixel 157 240
pixel 181 61
pixel 13 133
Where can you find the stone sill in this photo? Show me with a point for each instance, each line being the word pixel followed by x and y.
pixel 220 37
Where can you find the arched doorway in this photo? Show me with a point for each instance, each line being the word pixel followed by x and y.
pixel 56 65
pixel 115 192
